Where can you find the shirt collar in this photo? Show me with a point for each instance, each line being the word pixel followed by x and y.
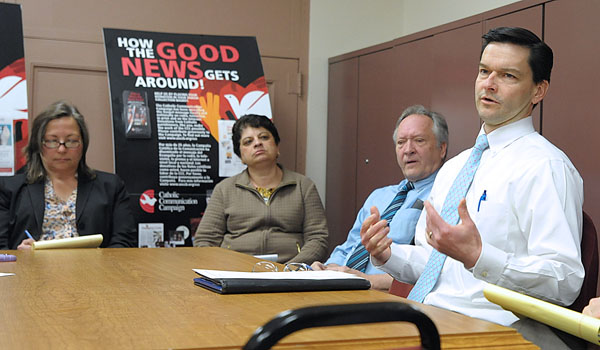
pixel 505 135
pixel 421 183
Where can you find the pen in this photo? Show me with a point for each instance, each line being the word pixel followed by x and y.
pixel 29 235
pixel 7 257
pixel 482 198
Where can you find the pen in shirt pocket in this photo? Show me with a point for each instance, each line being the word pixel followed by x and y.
pixel 482 198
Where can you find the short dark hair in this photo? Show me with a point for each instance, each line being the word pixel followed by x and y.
pixel 540 55
pixel 255 121
pixel 35 168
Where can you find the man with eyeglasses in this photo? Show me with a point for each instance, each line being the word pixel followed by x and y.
pixel 421 141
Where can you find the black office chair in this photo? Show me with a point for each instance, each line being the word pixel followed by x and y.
pixel 291 321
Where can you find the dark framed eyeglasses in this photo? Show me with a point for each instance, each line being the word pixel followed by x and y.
pixel 54 144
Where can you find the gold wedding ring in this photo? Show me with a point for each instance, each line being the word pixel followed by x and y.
pixel 429 234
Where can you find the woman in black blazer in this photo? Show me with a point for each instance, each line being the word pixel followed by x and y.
pixel 58 195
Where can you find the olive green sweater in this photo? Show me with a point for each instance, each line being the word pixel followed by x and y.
pixel 291 224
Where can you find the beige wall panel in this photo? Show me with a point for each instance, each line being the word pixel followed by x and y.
pixel 74 71
pixel 65 58
pixel 281 75
pixel 280 26
pixel 67 55
pixel 342 126
pixel 87 90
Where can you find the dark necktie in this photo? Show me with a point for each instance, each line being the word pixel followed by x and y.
pixel 360 257
pixel 449 213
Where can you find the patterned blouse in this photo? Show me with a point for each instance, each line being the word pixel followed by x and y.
pixel 265 193
pixel 59 216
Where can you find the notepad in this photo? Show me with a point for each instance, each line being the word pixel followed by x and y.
pixel 233 282
pixel 89 241
pixel 572 322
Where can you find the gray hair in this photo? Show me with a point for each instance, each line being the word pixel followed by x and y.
pixel 440 127
pixel 35 167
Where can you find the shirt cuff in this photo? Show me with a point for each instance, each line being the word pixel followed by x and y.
pixel 391 266
pixel 490 265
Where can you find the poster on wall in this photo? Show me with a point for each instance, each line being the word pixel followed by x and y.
pixel 13 90
pixel 174 99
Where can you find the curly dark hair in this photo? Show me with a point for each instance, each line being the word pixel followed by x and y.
pixel 255 121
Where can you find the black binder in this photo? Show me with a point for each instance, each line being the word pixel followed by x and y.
pixel 237 284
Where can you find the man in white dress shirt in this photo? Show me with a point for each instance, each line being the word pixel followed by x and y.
pixel 521 219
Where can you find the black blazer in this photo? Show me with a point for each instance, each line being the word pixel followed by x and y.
pixel 102 207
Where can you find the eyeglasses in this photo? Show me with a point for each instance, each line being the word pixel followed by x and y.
pixel 267 266
pixel 54 144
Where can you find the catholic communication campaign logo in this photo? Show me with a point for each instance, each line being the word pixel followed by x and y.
pixel 147 201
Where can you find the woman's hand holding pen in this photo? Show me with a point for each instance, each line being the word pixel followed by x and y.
pixel 27 243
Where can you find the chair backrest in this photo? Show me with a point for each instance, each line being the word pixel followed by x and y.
pixel 589 258
pixel 291 321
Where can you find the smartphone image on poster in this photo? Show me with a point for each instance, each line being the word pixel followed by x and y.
pixel 136 115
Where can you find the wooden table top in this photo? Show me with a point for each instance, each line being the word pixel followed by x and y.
pixel 146 298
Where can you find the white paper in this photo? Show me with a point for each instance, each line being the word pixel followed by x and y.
pixel 150 235
pixel 229 163
pixel 295 275
pixel 7 150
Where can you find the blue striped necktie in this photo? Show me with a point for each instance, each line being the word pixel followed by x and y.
pixel 449 213
pixel 360 257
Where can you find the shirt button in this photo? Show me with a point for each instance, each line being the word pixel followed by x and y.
pixel 484 274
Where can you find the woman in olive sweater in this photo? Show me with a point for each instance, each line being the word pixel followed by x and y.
pixel 265 209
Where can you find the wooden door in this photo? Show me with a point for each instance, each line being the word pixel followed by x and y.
pixel 378 111
pixel 455 66
pixel 390 81
pixel 570 119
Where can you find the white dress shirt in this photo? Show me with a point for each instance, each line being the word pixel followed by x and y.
pixel 530 224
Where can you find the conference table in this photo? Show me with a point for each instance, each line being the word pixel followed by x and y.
pixel 145 298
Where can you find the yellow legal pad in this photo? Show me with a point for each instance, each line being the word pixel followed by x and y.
pixel 90 241
pixel 572 322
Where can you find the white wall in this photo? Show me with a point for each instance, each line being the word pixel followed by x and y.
pixel 341 26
